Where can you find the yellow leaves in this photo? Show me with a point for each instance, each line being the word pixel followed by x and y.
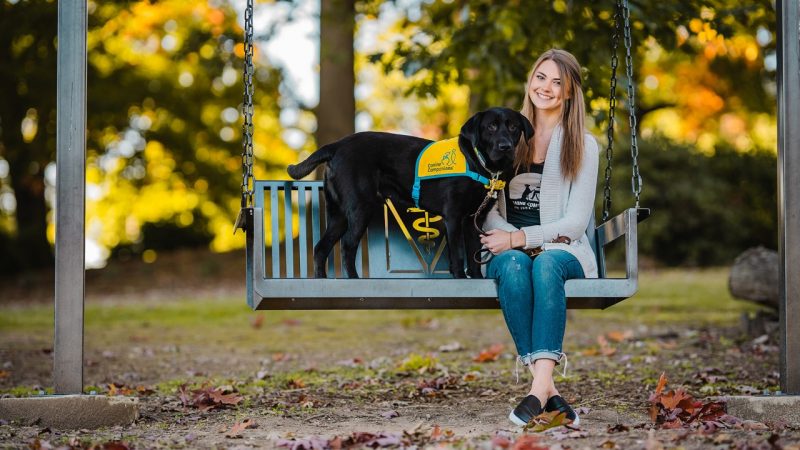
pixel 238 50
pixel 696 25
pixel 30 125
pixel 751 52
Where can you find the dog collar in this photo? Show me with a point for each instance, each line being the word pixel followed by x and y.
pixel 495 184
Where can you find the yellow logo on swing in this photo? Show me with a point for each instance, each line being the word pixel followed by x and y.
pixel 442 158
pixel 423 225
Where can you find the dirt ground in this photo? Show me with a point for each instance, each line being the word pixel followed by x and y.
pixel 209 373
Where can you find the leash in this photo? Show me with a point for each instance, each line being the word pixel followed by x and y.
pixel 495 184
pixel 484 255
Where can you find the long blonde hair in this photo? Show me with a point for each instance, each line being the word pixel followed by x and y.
pixel 573 113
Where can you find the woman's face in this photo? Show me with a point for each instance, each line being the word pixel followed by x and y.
pixel 545 87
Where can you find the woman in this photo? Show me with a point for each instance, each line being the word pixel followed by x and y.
pixel 546 206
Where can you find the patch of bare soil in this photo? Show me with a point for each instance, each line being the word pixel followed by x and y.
pixel 376 379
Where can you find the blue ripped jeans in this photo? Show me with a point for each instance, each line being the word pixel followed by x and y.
pixel 531 293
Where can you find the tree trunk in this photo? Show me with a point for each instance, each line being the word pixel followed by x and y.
pixel 754 277
pixel 336 113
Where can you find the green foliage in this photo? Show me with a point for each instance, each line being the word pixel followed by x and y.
pixel 490 47
pixel 418 363
pixel 164 136
pixel 705 209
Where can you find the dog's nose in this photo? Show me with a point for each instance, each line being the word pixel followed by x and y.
pixel 504 146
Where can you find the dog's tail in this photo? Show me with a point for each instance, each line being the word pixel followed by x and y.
pixel 303 168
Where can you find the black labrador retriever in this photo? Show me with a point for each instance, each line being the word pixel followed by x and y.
pixel 366 168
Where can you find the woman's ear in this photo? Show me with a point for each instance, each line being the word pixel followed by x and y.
pixel 526 126
pixel 471 129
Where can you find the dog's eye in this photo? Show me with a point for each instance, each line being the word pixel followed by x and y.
pixel 512 127
pixel 492 127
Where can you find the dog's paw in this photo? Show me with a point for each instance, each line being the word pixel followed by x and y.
pixel 475 274
pixel 458 274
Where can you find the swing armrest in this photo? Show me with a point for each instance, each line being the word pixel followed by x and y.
pixel 622 224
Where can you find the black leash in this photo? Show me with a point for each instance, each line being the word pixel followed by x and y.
pixel 479 256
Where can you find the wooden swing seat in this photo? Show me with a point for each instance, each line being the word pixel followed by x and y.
pixel 398 270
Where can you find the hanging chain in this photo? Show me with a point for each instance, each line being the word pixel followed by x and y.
pixel 636 179
pixel 612 104
pixel 247 109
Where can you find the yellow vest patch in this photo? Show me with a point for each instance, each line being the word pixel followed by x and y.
pixel 442 158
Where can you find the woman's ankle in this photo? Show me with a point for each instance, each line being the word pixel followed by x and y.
pixel 542 394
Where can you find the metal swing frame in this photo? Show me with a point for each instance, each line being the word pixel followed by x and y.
pixel 71 121
pixel 283 283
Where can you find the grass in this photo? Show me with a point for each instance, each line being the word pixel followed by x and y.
pixel 693 296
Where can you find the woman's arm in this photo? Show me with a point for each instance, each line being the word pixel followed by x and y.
pixel 579 204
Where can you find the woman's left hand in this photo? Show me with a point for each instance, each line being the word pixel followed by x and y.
pixel 497 241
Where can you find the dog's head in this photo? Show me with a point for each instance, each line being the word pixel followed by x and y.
pixel 495 134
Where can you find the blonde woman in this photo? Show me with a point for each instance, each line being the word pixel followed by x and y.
pixel 544 209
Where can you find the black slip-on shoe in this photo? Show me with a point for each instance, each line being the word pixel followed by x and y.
pixel 556 403
pixel 527 409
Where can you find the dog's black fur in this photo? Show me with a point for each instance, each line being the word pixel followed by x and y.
pixel 366 168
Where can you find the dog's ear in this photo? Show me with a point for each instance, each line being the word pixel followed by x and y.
pixel 472 129
pixel 527 128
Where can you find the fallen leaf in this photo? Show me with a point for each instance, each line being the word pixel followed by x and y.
pixel 662 383
pixel 547 420
pixel 295 383
pixel 257 321
pixel 528 442
pixel 618 428
pixel 471 376
pixel 500 441
pixel 239 427
pixel 620 336
pixel 490 354
pixel 605 348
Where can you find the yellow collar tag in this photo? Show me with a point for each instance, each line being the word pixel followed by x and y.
pixel 442 158
pixel 495 185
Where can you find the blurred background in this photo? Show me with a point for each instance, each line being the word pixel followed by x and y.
pixel 164 138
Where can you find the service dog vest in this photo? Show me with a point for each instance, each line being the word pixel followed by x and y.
pixel 439 160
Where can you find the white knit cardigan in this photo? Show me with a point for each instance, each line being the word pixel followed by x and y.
pixel 565 207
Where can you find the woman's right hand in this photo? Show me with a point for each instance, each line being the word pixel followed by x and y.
pixel 498 241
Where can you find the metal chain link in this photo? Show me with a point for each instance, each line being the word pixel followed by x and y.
pixel 612 104
pixel 636 178
pixel 247 109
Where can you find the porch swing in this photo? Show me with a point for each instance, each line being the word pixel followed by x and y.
pixel 398 270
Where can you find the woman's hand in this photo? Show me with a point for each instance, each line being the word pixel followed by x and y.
pixel 498 241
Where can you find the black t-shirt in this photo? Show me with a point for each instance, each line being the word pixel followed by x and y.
pixel 522 196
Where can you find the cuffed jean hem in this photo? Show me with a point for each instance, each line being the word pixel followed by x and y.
pixel 530 358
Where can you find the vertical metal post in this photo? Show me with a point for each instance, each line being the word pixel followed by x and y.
pixel 70 188
pixel 788 19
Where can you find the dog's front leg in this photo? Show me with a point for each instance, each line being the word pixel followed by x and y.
pixel 455 240
pixel 472 243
